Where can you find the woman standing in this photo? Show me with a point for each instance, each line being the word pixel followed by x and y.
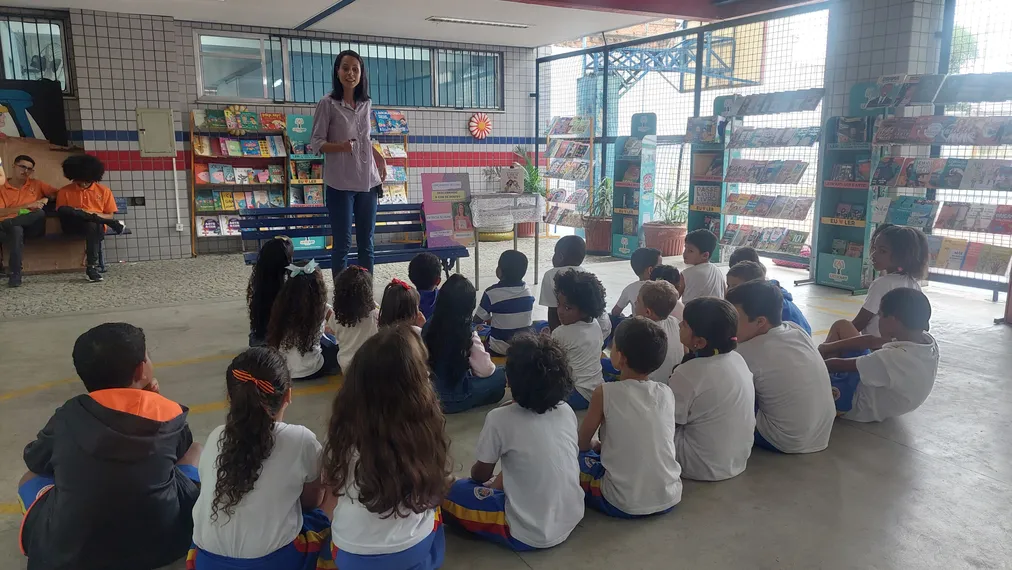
pixel 353 171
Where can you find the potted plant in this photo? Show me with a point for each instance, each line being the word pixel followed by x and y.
pixel 597 221
pixel 667 231
pixel 534 183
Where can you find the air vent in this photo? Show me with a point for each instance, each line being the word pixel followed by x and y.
pixel 442 20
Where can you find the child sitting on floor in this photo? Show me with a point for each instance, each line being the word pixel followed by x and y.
pixel 387 459
pixel 903 254
pixel 298 322
pixel 400 305
pixel 259 510
pixel 671 274
pixel 898 376
pixel 112 477
pixel 656 301
pixel 269 274
pixel 570 252
pixel 535 438
pixel 426 272
pixel 702 278
pixel 745 271
pixel 463 372
pixel 508 304
pixel 355 316
pixel 794 410
pixel 581 300
pixel 714 395
pixel 632 471
pixel 644 260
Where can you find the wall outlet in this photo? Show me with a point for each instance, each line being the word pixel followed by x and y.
pixel 180 227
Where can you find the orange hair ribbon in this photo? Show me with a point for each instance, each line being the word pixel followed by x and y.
pixel 262 385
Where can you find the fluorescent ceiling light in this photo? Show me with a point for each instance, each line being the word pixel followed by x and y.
pixel 443 20
pixel 277 83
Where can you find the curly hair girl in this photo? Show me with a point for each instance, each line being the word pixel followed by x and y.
pixel 400 305
pixel 258 386
pixel 448 333
pixel 353 300
pixel 388 439
pixel 298 313
pixel 268 276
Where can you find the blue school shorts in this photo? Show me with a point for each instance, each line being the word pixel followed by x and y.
pixel 426 555
pixel 481 511
pixel 591 474
pixel 302 554
pixel 844 384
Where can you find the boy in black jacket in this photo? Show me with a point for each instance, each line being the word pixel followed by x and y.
pixel 112 477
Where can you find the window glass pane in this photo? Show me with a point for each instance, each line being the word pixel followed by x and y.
pixel 275 70
pixel 33 50
pixel 233 46
pixel 468 79
pixel 232 77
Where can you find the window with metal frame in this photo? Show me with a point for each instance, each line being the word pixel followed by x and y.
pixel 468 79
pixel 34 48
pixel 240 67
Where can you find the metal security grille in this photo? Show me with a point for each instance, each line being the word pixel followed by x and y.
pixel 33 48
pixel 979 45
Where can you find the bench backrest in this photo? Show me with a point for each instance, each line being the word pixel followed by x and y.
pixel 314 221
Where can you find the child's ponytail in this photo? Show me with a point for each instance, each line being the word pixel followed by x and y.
pixel 257 382
pixel 713 320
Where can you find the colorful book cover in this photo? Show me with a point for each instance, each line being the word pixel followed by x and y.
pixel 777 238
pixel 227 201
pixel 261 199
pixel 302 170
pixel 744 231
pixel 390 122
pixel 764 239
pixel 394 174
pixel 229 225
pixel 222 146
pixel 843 172
pixel 392 150
pixel 852 130
pixel 201 145
pixel 250 147
pixel 707 195
pixel 262 176
pixel 263 147
pixel 275 146
pixel 858 212
pixel 217 173
pixel 984 218
pixel 947 215
pixel 934 246
pixel 250 200
pixel 854 249
pixel 296 196
pixel 777 208
pixel 730 233
pixel 243 175
pixel 217 200
pixel 712 223
pixel 1001 223
pixel 862 170
pixel 994 260
pixel 229 173
pixel 754 235
pixel 950 175
pixel 314 195
pixel 888 170
pixel 762 209
pixel 842 210
pixel 205 200
pixel 276 198
pixel 982 174
pixel 201 173
pixel 208 226
pixel 234 148
pixel 950 256
pixel 800 207
pixel 701 130
pixel 794 242
pixel 240 200
pixel 215 119
pixel 199 118
pixel 839 246
pixel 231 119
pixel 971 258
pixel 797 171
pixel 248 121
pixel 272 121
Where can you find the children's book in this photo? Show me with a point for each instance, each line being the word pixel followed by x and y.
pixel 743 232
pixel 263 147
pixel 839 246
pixel 262 176
pixel 234 148
pixel 754 235
pixel 240 200
pixel 712 223
pixel 842 210
pixel 250 201
pixel 222 146
pixel 217 200
pixel 993 260
pixel 276 198
pixel 707 195
pixel 229 224
pixel 302 170
pixel 777 238
pixel 800 207
pixel 229 173
pixel 888 170
pixel 862 170
pixel 1001 223
pixel 950 256
pixel 735 204
pixel 392 150
pixel 227 201
pixel 201 145
pixel 231 119
pixel 199 117
pixel 632 173
pixel 763 207
pixel 208 226
pixel 276 174
pixel 777 208
pixel 730 233
pixel 243 175
pixel 852 129
pixel 272 121
pixel 843 172
pixel 702 130
pixel 314 195
pixel 764 239
pixel 750 207
pixel 854 249
pixel 629 225
pixel 947 215
pixel 215 119
pixel 858 212
pixel 205 200
pixel 248 121
pixel 296 196
pixel 217 173
pixel 794 242
pixel 250 147
pixel 201 173
pixel 390 122
pixel 261 199
pixel 715 168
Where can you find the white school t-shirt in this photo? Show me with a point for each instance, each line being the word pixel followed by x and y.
pixel 676 350
pixel 303 364
pixel 642 475
pixel 715 413
pixel 356 530
pixel 350 339
pixel 629 296
pixel 877 290
pixel 540 469
pixel 582 343
pixel 270 516
pixel 703 280
pixel 796 409
pixel 895 379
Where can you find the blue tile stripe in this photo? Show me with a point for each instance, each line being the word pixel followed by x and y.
pixel 184 136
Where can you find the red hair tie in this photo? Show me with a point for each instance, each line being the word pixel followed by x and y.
pixel 262 385
pixel 396 281
pixel 734 338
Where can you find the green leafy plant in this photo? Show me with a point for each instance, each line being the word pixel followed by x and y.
pixel 601 205
pixel 672 207
pixel 534 183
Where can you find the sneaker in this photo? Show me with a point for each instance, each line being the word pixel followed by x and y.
pixel 14 280
pixel 117 226
pixel 93 275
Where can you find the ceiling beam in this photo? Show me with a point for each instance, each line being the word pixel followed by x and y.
pixel 702 10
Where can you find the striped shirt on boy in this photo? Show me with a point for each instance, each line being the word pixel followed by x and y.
pixel 508 310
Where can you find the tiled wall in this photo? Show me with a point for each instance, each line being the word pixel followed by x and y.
pixel 125 62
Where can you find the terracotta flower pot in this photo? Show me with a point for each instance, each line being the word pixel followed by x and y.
pixel 669 239
pixel 598 232
pixel 525 229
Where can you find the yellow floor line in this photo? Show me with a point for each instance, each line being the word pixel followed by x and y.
pixel 10 509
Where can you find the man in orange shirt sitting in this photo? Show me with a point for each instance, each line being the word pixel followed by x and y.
pixel 21 202
pixel 87 207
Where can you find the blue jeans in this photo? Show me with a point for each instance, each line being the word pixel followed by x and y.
pixel 577 401
pixel 342 205
pixel 484 392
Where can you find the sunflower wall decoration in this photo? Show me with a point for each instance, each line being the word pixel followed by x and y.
pixel 480 126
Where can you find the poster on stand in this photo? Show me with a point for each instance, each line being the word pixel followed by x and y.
pixel 299 129
pixel 446 202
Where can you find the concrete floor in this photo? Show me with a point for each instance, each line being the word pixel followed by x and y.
pixel 929 490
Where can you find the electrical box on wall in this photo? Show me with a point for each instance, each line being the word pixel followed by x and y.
pixel 155 133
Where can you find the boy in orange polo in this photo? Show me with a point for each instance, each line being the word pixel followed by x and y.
pixel 86 207
pixel 112 477
pixel 21 201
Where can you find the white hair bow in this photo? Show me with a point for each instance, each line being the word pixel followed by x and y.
pixel 307 269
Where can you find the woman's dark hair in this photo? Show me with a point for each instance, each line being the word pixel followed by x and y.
pixel 538 372
pixel 83 168
pixel 269 273
pixel 582 289
pixel 714 320
pixel 399 304
pixel 353 300
pixel 909 250
pixel 389 438
pixel 362 89
pixel 667 273
pixel 448 333
pixel 257 382
pixel 298 313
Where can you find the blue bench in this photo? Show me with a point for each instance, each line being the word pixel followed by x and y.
pixel 264 224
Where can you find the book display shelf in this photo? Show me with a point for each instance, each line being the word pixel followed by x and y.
pixel 570 174
pixel 762 203
pixel 633 197
pixel 239 159
pixel 390 138
pixel 707 156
